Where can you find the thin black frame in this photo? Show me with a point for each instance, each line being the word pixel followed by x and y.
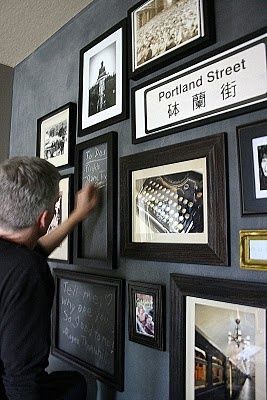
pixel 116 380
pixel 215 252
pixel 71 135
pixel 70 208
pixel 158 293
pixel 245 133
pixel 183 51
pixel 111 139
pixel 124 98
pixel 204 121
pixel 239 292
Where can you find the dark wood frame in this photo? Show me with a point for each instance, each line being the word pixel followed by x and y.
pixel 193 124
pixel 158 293
pixel 71 135
pixel 178 53
pixel 111 139
pixel 245 133
pixel 124 100
pixel 216 250
pixel 70 208
pixel 239 292
pixel 117 379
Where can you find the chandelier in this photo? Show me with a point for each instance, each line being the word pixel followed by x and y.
pixel 237 337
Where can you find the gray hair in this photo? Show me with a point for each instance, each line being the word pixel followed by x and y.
pixel 28 186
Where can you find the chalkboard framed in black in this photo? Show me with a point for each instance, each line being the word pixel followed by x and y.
pixel 87 328
pixel 95 240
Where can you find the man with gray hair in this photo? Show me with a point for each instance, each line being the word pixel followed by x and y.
pixel 29 189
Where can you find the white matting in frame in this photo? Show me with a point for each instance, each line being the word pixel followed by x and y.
pixel 260 166
pixel 141 231
pixel 48 147
pixel 108 51
pixel 221 316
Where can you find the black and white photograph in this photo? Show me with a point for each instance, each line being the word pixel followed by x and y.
pixel 102 81
pixel 260 166
pixel 56 134
pixel 171 206
pixel 61 213
pixel 161 29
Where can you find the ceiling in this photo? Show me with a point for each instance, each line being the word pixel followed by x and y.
pixel 25 25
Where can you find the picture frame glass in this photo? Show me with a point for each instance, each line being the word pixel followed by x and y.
pixel 144 314
pixel 61 213
pixel 236 336
pixel 169 203
pixel 259 146
pixel 159 28
pixel 54 138
pixel 102 80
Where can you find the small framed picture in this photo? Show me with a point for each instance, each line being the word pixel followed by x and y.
pixel 56 134
pixel 253 249
pixel 252 143
pixel 102 87
pixel 174 203
pixel 95 243
pixel 146 314
pixel 166 30
pixel 63 207
pixel 218 339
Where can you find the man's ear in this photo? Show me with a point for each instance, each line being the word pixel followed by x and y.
pixel 44 220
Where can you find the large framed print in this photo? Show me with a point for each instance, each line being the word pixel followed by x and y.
pixel 218 339
pixel 102 83
pixel 173 203
pixel 95 240
pixel 252 143
pixel 227 82
pixel 162 32
pixel 63 207
pixel 56 134
pixel 147 314
pixel 88 324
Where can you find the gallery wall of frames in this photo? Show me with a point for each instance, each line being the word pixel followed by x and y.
pixel 161 293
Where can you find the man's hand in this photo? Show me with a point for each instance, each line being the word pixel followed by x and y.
pixel 86 199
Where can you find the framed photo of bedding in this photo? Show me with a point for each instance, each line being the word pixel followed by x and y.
pixel 166 31
pixel 173 203
pixel 218 338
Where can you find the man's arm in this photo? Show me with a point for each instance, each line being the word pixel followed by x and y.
pixel 86 200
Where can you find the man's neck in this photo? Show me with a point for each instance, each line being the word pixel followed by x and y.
pixel 25 237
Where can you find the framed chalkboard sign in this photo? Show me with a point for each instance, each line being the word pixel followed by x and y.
pixel 94 239
pixel 87 328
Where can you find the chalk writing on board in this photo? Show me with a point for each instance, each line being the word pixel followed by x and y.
pixel 95 165
pixel 87 322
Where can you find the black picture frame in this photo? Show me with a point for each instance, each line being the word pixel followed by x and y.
pixel 114 43
pixel 142 116
pixel 234 295
pixel 67 244
pixel 99 250
pixel 215 250
pixel 106 334
pixel 204 12
pixel 151 331
pixel 51 149
pixel 250 177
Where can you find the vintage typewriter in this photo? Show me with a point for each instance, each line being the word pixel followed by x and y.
pixel 172 203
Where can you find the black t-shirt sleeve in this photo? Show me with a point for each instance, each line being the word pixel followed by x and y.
pixel 25 333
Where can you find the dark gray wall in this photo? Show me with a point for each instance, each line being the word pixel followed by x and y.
pixel 49 78
pixel 6 83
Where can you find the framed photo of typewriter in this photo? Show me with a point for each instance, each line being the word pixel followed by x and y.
pixel 146 314
pixel 218 339
pixel 252 143
pixel 173 203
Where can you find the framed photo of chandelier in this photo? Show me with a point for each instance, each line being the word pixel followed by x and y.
pixel 218 338
pixel 102 81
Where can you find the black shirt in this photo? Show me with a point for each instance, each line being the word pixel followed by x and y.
pixel 26 297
